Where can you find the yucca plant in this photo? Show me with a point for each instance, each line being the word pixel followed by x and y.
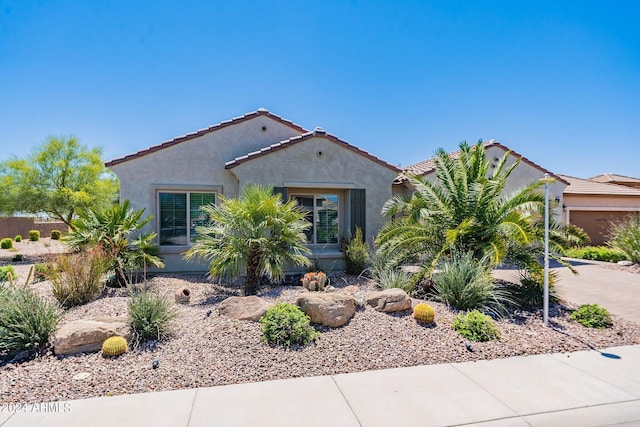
pixel 256 233
pixel 464 282
pixel 624 236
pixel 27 320
pixel 150 315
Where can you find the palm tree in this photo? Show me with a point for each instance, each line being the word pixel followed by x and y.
pixel 467 210
pixel 256 232
pixel 110 229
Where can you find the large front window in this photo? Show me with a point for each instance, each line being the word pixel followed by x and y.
pixel 322 213
pixel 180 214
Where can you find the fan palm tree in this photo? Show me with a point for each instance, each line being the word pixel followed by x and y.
pixel 110 229
pixel 256 233
pixel 467 210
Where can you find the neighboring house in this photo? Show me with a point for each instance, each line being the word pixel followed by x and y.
pixel 593 205
pixel 340 185
pixel 612 178
pixel 524 174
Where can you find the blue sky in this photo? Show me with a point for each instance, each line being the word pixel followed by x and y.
pixel 556 81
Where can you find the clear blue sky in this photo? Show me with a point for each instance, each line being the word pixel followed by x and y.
pixel 557 81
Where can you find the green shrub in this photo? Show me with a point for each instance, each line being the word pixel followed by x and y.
pixel 27 320
pixel 395 278
pixel 597 253
pixel 18 238
pixel 150 315
pixel 6 243
pixel 34 235
pixel 356 255
pixel 625 237
pixel 592 316
pixel 287 325
pixel 55 234
pixel 78 278
pixel 465 283
pixel 476 326
pixel 7 274
pixel 529 293
pixel 42 271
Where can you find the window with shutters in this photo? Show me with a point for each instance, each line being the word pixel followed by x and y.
pixel 323 214
pixel 180 214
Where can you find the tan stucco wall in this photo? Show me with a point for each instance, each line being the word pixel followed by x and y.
pixel 604 201
pixel 194 164
pixel 338 167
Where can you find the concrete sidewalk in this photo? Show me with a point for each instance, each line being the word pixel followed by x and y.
pixel 586 388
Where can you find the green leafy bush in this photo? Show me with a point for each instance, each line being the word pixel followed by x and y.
pixel 55 234
pixel 18 238
pixel 387 275
pixel 597 253
pixel 476 326
pixel 6 243
pixel 465 283
pixel 529 293
pixel 34 235
pixel 356 255
pixel 150 315
pixel 592 316
pixel 7 273
pixel 27 320
pixel 287 325
pixel 78 278
pixel 625 237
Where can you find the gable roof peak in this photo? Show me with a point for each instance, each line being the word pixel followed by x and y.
pixel 177 140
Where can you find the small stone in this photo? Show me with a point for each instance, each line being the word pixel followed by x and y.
pixel 81 376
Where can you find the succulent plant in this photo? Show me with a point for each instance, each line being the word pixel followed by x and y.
pixel 114 346
pixel 424 313
pixel 314 281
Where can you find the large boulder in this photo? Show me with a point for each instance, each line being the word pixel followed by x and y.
pixel 243 308
pixel 87 335
pixel 328 309
pixel 389 300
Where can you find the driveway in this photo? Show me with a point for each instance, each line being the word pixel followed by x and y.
pixel 617 291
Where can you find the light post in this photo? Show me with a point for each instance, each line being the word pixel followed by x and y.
pixel 545 304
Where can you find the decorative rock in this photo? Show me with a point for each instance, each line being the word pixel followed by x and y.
pixel 243 308
pixel 332 309
pixel 389 300
pixel 85 336
pixel 350 289
pixel 183 295
pixel 358 296
pixel 625 263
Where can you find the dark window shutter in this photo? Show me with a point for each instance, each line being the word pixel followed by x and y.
pixel 358 211
pixel 284 194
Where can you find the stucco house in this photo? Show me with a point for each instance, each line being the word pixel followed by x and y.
pixel 594 205
pixel 340 185
pixel 525 173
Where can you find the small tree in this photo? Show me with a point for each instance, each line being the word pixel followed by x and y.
pixel 356 255
pixel 58 178
pixel 110 229
pixel 256 232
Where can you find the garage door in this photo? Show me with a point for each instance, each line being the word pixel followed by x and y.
pixel 596 223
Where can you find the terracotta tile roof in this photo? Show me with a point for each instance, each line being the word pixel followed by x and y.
pixel 614 178
pixel 427 167
pixel 212 128
pixel 587 186
pixel 317 132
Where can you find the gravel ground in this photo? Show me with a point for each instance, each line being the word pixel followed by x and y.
pixel 214 350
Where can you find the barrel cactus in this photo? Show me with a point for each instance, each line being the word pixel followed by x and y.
pixel 114 346
pixel 424 313
pixel 314 281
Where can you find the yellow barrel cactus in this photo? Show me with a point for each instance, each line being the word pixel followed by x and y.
pixel 114 346
pixel 424 313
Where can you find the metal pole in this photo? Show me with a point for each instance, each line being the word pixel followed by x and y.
pixel 546 253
